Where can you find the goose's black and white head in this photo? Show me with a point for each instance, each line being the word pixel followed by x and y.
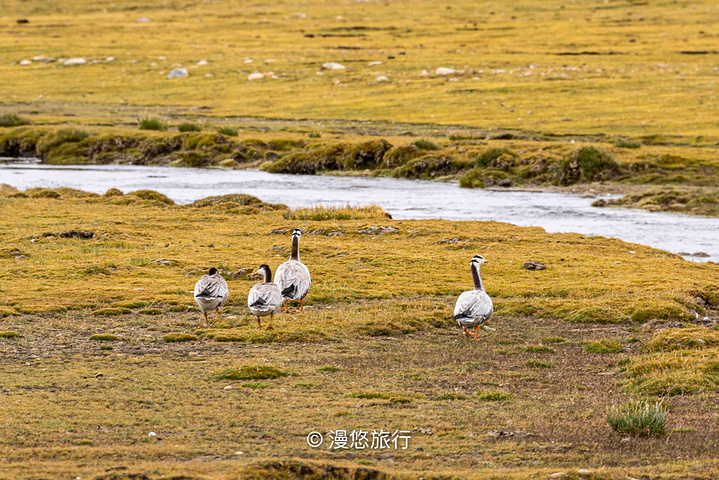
pixel 477 260
pixel 265 271
pixel 213 271
pixel 296 233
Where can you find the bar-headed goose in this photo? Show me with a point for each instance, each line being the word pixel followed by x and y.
pixel 211 292
pixel 293 276
pixel 265 297
pixel 474 307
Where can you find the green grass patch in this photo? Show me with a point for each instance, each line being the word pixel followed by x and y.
pixel 13 120
pixel 639 418
pixel 494 396
pixel 229 131
pixel 104 337
pixel 323 213
pixel 256 385
pixel 111 312
pixel 189 127
pixel 179 337
pixel 538 349
pixel 250 372
pixel 329 368
pixel 9 334
pixel 603 346
pixel 152 123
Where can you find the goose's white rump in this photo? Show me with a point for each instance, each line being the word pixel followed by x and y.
pixel 264 299
pixel 211 292
pixel 473 308
pixel 293 278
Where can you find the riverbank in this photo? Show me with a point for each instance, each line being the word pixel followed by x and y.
pixel 95 318
pixel 528 163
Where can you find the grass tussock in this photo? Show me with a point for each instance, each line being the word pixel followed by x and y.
pixel 9 334
pixel 189 127
pixel 640 418
pixel 13 120
pixel 693 201
pixel 104 337
pixel 228 131
pixel 152 123
pixel 176 337
pixel 250 372
pixel 603 346
pixel 324 213
pixel 494 396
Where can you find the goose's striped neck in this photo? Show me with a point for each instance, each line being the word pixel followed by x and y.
pixel 478 285
pixel 295 248
pixel 268 275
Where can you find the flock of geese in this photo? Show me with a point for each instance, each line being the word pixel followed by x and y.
pixel 292 283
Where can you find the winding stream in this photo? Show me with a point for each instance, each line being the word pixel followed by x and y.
pixel 404 199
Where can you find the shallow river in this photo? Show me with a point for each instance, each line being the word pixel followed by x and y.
pixel 404 199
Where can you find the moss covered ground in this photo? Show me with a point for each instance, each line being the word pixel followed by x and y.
pixel 102 345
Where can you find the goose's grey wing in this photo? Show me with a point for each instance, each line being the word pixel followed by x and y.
pixel 473 305
pixel 294 280
pixel 212 286
pixel 264 296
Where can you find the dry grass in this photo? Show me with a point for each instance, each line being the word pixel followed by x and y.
pixel 327 212
pixel 376 348
pixel 628 67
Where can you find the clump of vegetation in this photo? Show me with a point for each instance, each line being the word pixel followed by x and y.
pixel 229 131
pixel 639 418
pixel 111 312
pixel 329 368
pixel 588 164
pixel 538 364
pixel 104 337
pixel 693 201
pixel 603 346
pixel 152 123
pixel 113 192
pixel 538 349
pixel 451 396
pixel 324 212
pixel 695 338
pixel 148 195
pixel 423 144
pixel 150 311
pixel 398 156
pixel 179 337
pixel 494 396
pixel 237 199
pixel 9 334
pixel 489 157
pixel 13 120
pixel 186 127
pixel 627 143
pixel 250 372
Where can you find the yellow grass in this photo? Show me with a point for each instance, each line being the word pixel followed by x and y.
pixel 585 67
pixel 376 348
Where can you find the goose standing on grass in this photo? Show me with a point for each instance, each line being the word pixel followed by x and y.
pixel 293 276
pixel 211 293
pixel 474 307
pixel 265 297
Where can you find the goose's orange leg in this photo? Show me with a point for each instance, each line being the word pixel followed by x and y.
pixel 302 306
pixel 272 318
pixel 259 324
pixel 476 334
pixel 287 310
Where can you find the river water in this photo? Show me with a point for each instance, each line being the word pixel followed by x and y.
pixel 404 199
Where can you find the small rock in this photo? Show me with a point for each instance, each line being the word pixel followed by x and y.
pixel 74 61
pixel 164 263
pixel 99 374
pixel 81 234
pixel 43 59
pixel 445 71
pixel 239 453
pixel 298 15
pixel 626 440
pixel 333 66
pixel 566 119
pixel 381 78
pixel 22 21
pixel 178 73
pixel 227 388
pixel 584 472
pixel 532 265
pixel 700 255
pixel 372 64
pixel 202 62
pixel 144 20
pixel 152 434
pixel 375 229
pixel 505 183
pixel 25 63
pixel 255 76
pixel 558 475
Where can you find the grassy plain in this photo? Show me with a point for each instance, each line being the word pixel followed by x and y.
pixel 101 344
